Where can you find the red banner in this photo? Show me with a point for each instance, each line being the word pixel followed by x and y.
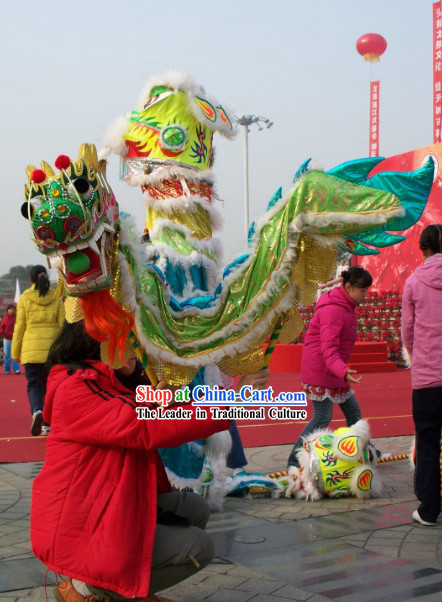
pixel 373 150
pixel 394 264
pixel 437 70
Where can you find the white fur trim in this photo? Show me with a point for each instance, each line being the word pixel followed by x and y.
pixel 294 485
pixel 318 433
pixel 309 490
pixel 180 482
pixel 362 429
pixel 305 222
pixel 177 80
pixel 377 485
pixel 411 453
pixel 113 137
pixel 169 172
pixel 406 357
pixel 213 376
pixel 219 444
pixel 218 487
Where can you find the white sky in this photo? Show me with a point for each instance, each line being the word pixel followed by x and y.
pixel 69 68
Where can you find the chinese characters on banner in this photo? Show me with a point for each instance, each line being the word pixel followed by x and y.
pixel 374 120
pixel 437 70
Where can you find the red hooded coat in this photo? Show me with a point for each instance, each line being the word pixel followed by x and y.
pixel 94 504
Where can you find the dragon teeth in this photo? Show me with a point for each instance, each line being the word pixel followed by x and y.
pixel 93 245
pixel 108 228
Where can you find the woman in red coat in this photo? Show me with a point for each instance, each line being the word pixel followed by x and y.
pixel 328 344
pixel 102 509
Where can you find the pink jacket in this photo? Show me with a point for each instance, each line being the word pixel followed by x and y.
pixel 422 323
pixel 329 341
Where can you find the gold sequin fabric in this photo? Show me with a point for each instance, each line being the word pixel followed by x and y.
pixel 244 363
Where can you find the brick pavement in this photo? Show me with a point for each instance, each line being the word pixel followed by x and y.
pixel 273 550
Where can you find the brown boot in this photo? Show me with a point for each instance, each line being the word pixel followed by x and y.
pixel 66 592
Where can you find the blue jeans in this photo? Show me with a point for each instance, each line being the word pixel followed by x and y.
pixel 36 385
pixel 323 414
pixel 7 343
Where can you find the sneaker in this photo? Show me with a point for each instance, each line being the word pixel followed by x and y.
pixel 37 421
pixel 418 519
pixel 45 430
pixel 17 372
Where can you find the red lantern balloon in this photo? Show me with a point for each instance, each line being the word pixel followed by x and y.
pixel 371 46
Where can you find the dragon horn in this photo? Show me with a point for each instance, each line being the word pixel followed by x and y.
pixel 29 170
pixel 47 169
pixel 88 154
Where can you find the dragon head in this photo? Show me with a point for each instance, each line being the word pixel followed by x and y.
pixel 172 125
pixel 72 216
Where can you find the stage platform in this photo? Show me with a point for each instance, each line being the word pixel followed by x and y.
pixel 366 357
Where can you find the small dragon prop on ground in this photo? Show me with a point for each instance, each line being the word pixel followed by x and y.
pixel 163 299
pixel 337 463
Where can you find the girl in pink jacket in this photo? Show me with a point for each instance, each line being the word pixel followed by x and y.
pixel 422 337
pixel 328 344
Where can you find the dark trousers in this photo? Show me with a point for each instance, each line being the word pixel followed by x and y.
pixel 35 375
pixel 323 414
pixel 175 545
pixel 427 416
pixel 236 457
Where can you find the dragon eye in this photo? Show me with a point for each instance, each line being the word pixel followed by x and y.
pixel 81 185
pixel 172 137
pixel 36 203
pixel 82 189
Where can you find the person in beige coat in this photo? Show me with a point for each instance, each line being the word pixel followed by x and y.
pixel 40 315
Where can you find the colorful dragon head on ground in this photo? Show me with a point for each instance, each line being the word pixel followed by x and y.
pixel 332 463
pixel 72 215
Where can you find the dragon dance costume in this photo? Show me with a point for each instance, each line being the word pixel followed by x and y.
pixel 332 464
pixel 165 300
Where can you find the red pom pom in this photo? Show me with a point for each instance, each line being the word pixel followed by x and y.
pixel 38 176
pixel 62 162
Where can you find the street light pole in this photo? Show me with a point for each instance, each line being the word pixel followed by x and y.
pixel 245 121
pixel 246 179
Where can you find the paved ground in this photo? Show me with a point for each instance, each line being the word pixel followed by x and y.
pixel 274 550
